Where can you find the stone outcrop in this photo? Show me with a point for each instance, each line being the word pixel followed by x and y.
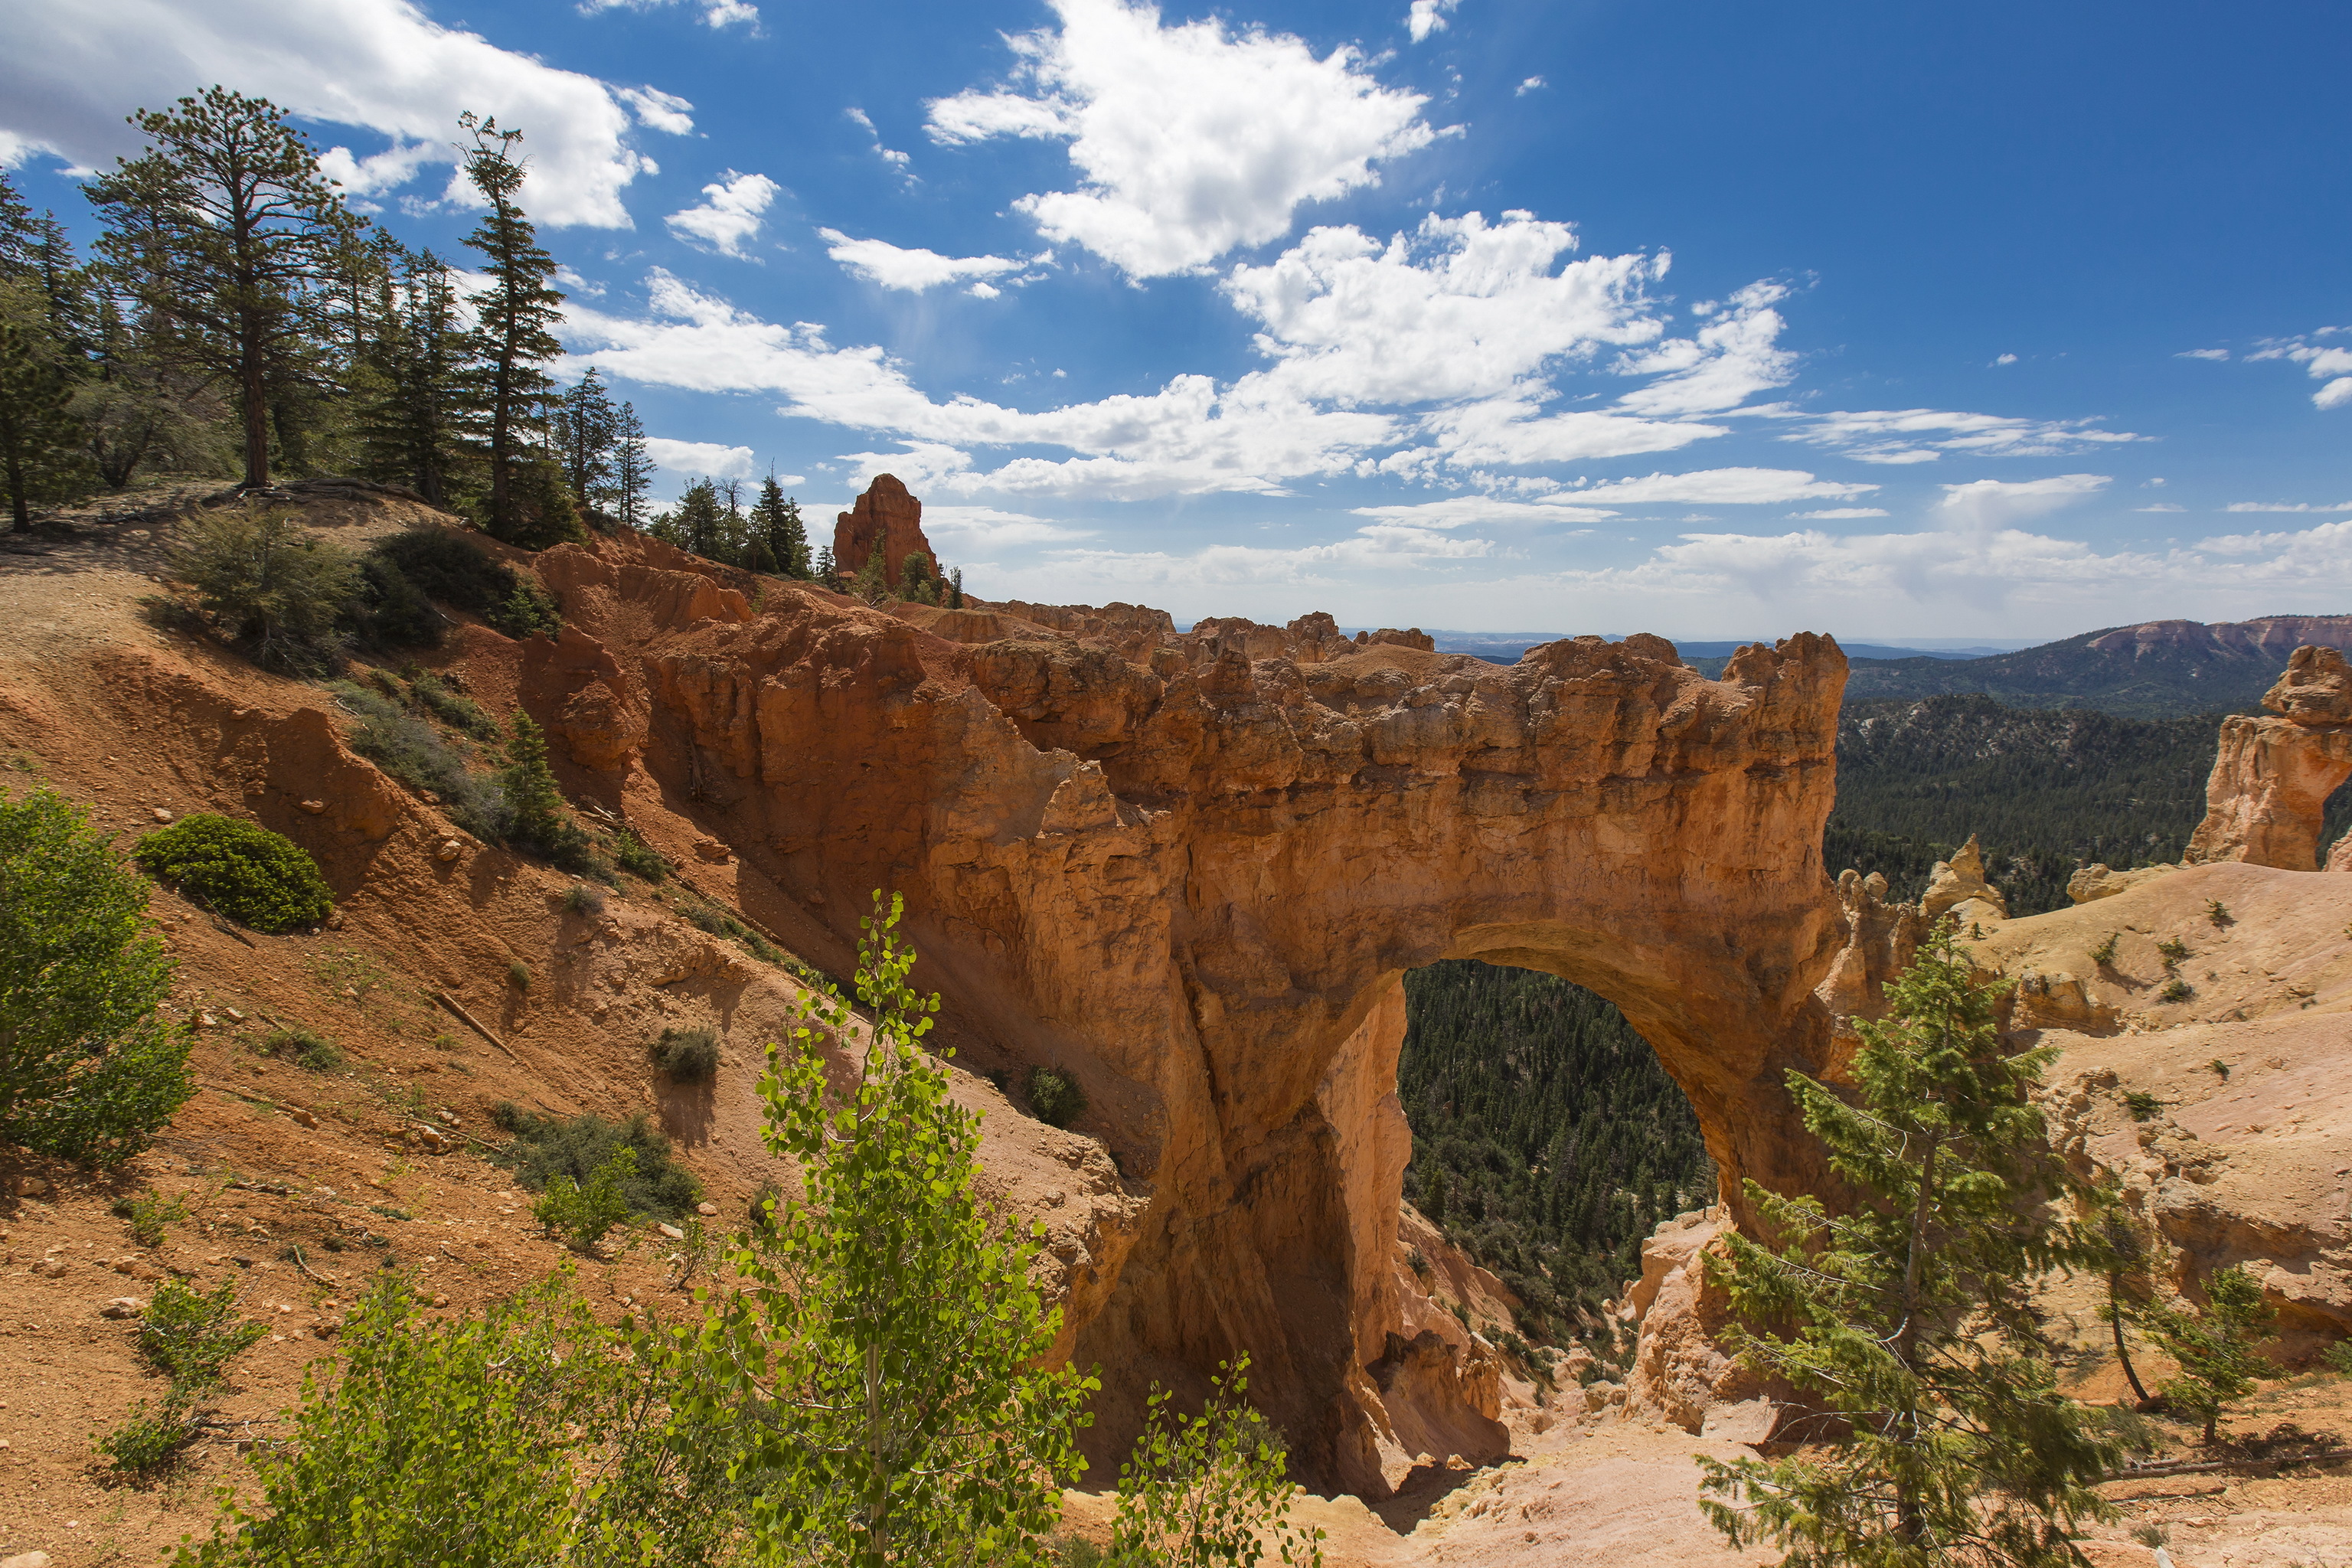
pixel 1190 869
pixel 2272 776
pixel 886 515
pixel 1958 886
pixel 2095 881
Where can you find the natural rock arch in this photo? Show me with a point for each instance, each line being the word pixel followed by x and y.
pixel 1192 869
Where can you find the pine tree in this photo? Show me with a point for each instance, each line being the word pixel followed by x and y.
pixel 633 470
pixel 697 523
pixel 955 589
pixel 514 342
pixel 1943 1436
pixel 586 429
pixel 917 584
pixel 872 582
pixel 40 439
pixel 2217 1347
pixel 826 573
pixel 733 542
pixel 225 234
pixel 423 414
pixel 776 520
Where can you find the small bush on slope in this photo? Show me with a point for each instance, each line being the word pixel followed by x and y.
pixel 88 1069
pixel 687 1056
pixel 576 1147
pixel 239 870
pixel 270 584
pixel 407 748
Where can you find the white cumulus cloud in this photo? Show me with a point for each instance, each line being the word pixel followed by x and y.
pixel 912 269
pixel 1426 17
pixel 69 71
pixel 731 213
pixel 2203 353
pixel 2288 506
pixel 700 457
pixel 1720 366
pixel 1996 503
pixel 1190 141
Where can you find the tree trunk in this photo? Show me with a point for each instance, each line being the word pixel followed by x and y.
pixel 2122 1352
pixel 255 397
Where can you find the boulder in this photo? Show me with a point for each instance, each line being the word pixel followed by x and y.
pixel 2090 883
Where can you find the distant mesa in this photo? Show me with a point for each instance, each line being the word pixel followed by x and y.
pixel 887 515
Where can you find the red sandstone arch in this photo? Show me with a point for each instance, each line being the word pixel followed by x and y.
pixel 1190 870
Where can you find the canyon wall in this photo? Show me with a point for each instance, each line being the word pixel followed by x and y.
pixel 1190 870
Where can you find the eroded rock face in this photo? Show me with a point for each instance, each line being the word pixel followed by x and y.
pixel 885 515
pixel 1192 869
pixel 1954 884
pixel 2272 777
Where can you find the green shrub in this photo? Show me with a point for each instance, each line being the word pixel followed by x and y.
pixel 455 1443
pixel 582 1211
pixel 90 1069
pixel 433 694
pixel 149 1213
pixel 545 1147
pixel 687 1056
pixel 391 612
pixel 2104 954
pixel 518 976
pixel 529 610
pixel 1055 1096
pixel 406 747
pixel 240 869
pixel 584 900
pixel 447 567
pixel 190 1336
pixel 637 857
pixel 304 1047
pixel 2176 990
pixel 268 584
pixel 2218 912
pixel 2338 1357
pixel 2142 1105
pixel 149 1443
pixel 2173 951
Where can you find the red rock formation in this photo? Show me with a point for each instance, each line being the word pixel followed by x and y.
pixel 1193 879
pixel 885 515
pixel 2272 777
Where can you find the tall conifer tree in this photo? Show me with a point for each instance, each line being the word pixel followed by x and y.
pixel 514 343
pixel 226 234
pixel 1941 1436
pixel 587 428
pixel 632 469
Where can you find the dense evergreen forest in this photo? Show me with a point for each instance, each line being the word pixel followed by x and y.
pixel 1547 1140
pixel 2045 790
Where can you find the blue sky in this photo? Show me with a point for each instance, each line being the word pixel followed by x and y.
pixel 1716 320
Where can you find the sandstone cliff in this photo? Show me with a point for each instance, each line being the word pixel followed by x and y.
pixel 1190 870
pixel 2272 777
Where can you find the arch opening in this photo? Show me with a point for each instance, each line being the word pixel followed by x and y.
pixel 1548 1141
